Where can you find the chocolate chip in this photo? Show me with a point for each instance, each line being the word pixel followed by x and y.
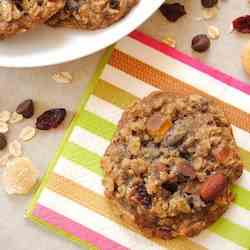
pixel 200 43
pixel 172 11
pixel 3 141
pixel 209 3
pixel 26 108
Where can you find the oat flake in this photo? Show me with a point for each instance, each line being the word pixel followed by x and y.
pixel 4 159
pixel 209 13
pixel 170 41
pixel 27 133
pixel 4 116
pixel 213 32
pixel 15 118
pixel 3 127
pixel 62 77
pixel 15 148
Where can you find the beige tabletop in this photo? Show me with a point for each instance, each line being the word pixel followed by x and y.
pixel 18 84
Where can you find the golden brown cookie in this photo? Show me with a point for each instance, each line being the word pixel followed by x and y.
pixel 171 164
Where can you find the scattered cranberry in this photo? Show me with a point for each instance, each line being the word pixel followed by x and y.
pixel 242 24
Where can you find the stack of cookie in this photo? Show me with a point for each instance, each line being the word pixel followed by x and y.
pixel 22 15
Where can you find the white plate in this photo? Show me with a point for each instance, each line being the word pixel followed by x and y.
pixel 46 46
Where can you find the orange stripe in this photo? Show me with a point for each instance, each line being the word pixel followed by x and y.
pixel 161 80
pixel 100 205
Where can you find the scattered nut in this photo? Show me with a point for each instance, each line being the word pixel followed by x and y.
pixel 170 41
pixel 3 141
pixel 27 133
pixel 15 118
pixel 200 43
pixel 4 159
pixel 4 116
pixel 209 13
pixel 20 176
pixel 62 77
pixel 3 127
pixel 15 148
pixel 213 32
pixel 245 58
pixel 26 108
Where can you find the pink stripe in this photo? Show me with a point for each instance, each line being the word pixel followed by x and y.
pixel 162 47
pixel 75 228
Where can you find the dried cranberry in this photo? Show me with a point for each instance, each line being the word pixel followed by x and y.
pixel 172 11
pixel 26 108
pixel 50 119
pixel 242 24
pixel 209 3
pixel 142 196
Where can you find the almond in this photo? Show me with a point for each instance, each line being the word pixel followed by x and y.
pixel 213 187
pixel 186 170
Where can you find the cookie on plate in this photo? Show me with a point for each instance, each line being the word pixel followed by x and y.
pixel 170 165
pixel 21 15
pixel 91 14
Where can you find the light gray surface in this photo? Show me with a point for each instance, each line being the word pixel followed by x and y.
pixel 16 85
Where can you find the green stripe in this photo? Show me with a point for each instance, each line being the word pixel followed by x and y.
pixel 96 125
pixel 231 231
pixel 245 157
pixel 82 157
pixel 114 95
pixel 242 197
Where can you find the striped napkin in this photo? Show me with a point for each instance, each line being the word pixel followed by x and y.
pixel 70 200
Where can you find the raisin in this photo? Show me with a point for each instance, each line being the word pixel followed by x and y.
pixel 114 4
pixel 172 11
pixel 170 186
pixel 200 43
pixel 3 142
pixel 26 108
pixel 242 24
pixel 142 196
pixel 50 119
pixel 209 3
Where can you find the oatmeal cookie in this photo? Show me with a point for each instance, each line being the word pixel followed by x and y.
pixel 170 165
pixel 21 15
pixel 91 14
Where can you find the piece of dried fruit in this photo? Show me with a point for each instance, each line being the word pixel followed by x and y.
pixel 200 43
pixel 4 159
pixel 62 77
pixel 186 170
pixel 3 141
pixel 50 119
pixel 213 187
pixel 3 127
pixel 20 176
pixel 172 11
pixel 27 133
pixel 15 148
pixel 245 58
pixel 4 116
pixel 213 32
pixel 142 197
pixel 209 3
pixel 26 108
pixel 242 24
pixel 15 118
pixel 223 153
pixel 158 125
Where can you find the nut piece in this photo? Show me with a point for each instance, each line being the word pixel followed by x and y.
pixel 245 58
pixel 15 148
pixel 3 127
pixel 3 142
pixel 158 125
pixel 4 159
pixel 171 42
pixel 213 32
pixel 4 116
pixel 62 77
pixel 27 133
pixel 213 187
pixel 19 176
pixel 15 118
pixel 200 43
pixel 26 108
pixel 186 170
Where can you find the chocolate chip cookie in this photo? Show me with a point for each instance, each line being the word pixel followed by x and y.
pixel 21 15
pixel 170 165
pixel 91 14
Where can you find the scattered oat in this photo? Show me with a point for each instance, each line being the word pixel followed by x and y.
pixel 62 77
pixel 20 176
pixel 170 41
pixel 4 116
pixel 213 32
pixel 15 118
pixel 198 19
pixel 27 133
pixel 4 159
pixel 3 127
pixel 15 148
pixel 209 13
